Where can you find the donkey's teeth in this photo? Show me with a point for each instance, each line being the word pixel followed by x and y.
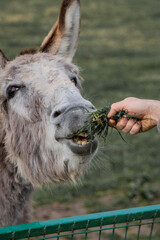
pixel 80 140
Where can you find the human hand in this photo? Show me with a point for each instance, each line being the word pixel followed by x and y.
pixel 146 114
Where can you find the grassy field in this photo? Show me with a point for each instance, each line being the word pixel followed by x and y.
pixel 119 55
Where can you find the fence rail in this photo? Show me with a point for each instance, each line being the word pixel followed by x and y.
pixel 127 224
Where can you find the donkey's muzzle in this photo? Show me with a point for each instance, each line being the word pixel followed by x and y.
pixel 71 122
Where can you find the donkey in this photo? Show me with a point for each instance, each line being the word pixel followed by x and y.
pixel 41 111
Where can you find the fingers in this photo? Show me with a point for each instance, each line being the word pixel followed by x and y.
pixel 132 127
pixel 115 107
pixel 129 126
pixel 112 123
pixel 137 128
pixel 122 123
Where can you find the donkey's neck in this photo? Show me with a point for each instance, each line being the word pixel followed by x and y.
pixel 15 192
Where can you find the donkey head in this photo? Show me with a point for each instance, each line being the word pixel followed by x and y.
pixel 42 107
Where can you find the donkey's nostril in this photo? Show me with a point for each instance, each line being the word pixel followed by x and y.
pixel 91 107
pixel 56 114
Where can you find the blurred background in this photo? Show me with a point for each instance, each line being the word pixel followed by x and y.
pixel 119 56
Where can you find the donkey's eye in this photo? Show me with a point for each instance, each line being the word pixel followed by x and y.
pixel 74 80
pixel 12 90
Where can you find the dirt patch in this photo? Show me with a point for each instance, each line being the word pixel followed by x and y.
pixel 59 210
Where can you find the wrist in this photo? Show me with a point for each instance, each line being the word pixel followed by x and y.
pixel 158 126
pixel 154 110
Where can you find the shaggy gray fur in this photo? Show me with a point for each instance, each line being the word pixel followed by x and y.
pixel 40 109
pixel 22 140
pixel 14 190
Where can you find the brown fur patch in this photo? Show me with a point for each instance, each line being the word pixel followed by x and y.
pixel 65 5
pixel 55 35
pixel 31 50
pixel 50 39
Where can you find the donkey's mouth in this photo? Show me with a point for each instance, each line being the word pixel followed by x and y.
pixel 81 145
pixel 81 139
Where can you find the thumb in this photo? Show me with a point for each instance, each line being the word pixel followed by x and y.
pixel 115 107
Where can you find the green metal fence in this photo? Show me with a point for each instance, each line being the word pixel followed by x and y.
pixel 131 224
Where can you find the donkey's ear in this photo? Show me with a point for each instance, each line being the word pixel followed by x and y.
pixel 63 38
pixel 3 60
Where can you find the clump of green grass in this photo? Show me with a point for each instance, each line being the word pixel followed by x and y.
pixel 98 122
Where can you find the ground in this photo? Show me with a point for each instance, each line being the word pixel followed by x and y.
pixel 58 210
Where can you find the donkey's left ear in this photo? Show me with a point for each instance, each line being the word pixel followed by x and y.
pixel 63 38
pixel 3 60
